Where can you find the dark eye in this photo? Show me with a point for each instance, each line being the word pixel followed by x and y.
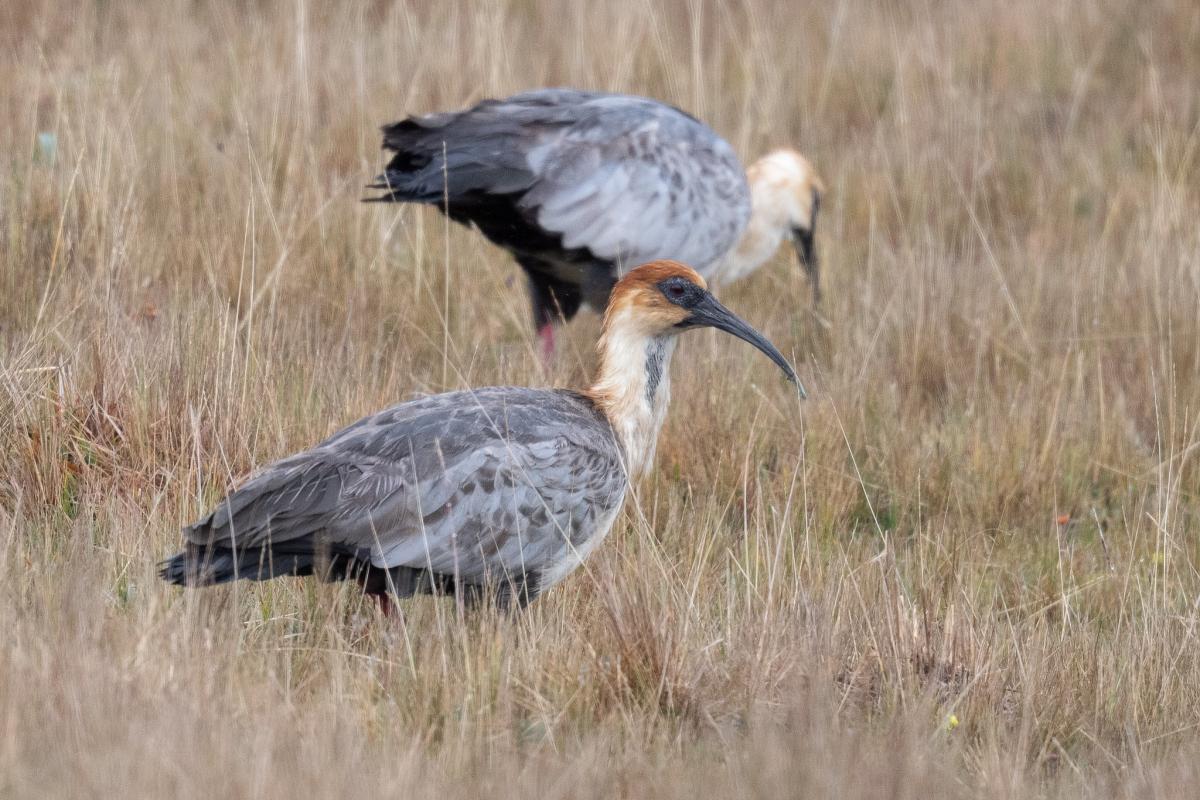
pixel 676 290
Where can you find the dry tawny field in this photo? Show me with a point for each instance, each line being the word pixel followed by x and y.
pixel 967 567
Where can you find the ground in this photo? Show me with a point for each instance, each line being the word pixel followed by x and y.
pixel 966 567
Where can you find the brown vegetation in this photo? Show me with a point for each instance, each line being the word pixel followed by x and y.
pixel 967 567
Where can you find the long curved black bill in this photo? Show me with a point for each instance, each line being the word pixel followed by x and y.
pixel 710 313
pixel 806 251
pixel 806 248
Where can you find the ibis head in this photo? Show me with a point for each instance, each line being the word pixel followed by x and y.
pixel 666 297
pixel 786 196
pixel 795 189
pixel 649 307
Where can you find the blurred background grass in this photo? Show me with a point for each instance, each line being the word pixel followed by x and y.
pixel 967 567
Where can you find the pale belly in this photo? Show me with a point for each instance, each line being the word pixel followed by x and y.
pixel 575 555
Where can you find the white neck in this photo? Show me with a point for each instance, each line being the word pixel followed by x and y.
pixel 783 188
pixel 759 241
pixel 634 388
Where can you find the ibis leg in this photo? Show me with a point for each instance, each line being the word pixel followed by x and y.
pixel 386 606
pixel 554 302
pixel 546 335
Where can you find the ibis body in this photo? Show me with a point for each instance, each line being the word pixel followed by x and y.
pixel 579 186
pixel 501 490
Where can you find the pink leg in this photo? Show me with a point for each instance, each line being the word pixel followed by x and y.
pixel 546 334
pixel 386 607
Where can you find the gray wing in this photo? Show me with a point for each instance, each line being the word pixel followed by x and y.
pixel 627 178
pixel 633 180
pixel 474 484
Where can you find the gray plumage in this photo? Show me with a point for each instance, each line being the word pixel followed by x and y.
pixel 579 186
pixel 499 487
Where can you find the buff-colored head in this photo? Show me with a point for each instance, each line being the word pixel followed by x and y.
pixel 646 298
pixel 785 194
pixel 648 308
pixel 664 298
pixel 787 188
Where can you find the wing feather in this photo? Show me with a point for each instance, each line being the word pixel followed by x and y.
pixel 623 177
pixel 638 180
pixel 473 484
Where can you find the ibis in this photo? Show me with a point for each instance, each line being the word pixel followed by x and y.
pixel 579 186
pixel 498 492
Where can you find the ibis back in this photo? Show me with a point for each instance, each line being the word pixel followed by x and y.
pixel 579 186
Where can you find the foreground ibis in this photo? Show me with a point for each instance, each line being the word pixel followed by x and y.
pixel 579 186
pixel 496 492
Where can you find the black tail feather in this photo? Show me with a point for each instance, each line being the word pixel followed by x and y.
pixel 199 565
pixel 445 158
pixel 211 565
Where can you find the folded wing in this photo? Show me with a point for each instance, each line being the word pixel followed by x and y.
pixel 477 486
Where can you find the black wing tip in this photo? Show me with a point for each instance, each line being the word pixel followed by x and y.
pixel 387 197
pixel 174 570
pixel 196 566
pixel 381 184
pixel 395 132
pixel 399 126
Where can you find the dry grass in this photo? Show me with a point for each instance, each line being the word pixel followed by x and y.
pixel 987 512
